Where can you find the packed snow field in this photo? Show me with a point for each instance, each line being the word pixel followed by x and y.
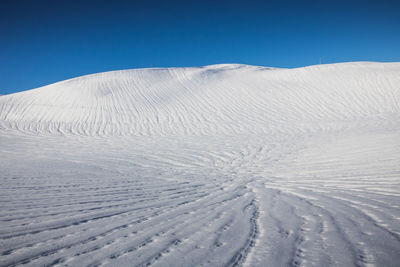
pixel 223 165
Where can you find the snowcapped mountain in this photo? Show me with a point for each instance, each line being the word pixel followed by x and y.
pixel 217 99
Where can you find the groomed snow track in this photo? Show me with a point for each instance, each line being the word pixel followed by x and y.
pixel 223 165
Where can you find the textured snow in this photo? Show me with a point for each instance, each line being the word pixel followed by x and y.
pixel 222 165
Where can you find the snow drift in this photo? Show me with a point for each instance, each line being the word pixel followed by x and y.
pixel 217 99
pixel 223 165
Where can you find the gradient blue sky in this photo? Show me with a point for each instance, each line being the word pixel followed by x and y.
pixel 42 42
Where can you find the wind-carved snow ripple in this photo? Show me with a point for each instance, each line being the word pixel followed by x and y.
pixel 227 165
pixel 101 212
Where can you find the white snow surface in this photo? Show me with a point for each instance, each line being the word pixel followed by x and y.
pixel 222 165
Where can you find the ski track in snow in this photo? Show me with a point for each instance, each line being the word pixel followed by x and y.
pixel 224 165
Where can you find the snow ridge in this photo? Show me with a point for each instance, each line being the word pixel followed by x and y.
pixel 216 99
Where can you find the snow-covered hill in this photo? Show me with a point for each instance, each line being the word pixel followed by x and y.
pixel 218 99
pixel 223 165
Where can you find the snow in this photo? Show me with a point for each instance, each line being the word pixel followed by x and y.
pixel 221 165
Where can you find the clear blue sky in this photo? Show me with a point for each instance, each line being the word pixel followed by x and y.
pixel 42 42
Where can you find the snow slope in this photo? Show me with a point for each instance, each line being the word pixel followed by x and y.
pixel 223 165
pixel 219 99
